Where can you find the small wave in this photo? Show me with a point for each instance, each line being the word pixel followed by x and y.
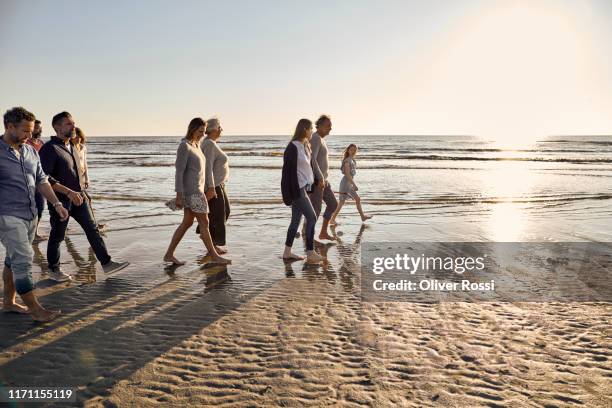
pixel 491 150
pixel 131 154
pixel 488 200
pixel 127 163
pixel 163 199
pixel 474 158
pixel 377 166
pixel 254 153
pixel 126 197
pixel 362 157
pixel 455 200
pixel 594 142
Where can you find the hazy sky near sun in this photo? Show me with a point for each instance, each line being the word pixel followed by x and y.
pixel 492 68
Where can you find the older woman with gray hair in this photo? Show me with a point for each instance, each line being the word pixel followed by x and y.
pixel 217 173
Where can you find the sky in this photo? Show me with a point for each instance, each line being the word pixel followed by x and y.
pixel 500 69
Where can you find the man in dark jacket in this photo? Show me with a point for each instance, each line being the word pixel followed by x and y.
pixel 60 165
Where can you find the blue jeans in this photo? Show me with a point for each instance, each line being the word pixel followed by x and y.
pixel 17 235
pixel 83 215
pixel 302 206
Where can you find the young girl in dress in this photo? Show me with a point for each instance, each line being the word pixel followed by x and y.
pixel 348 188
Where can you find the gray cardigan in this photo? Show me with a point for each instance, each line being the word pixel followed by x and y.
pixel 319 159
pixel 217 167
pixel 190 169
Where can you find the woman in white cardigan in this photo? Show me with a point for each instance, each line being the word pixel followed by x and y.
pixel 80 155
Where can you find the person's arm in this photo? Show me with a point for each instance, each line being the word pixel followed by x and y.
pixel 86 170
pixel 45 189
pixel 289 182
pixel 180 165
pixel 210 153
pixel 346 170
pixel 48 162
pixel 75 197
pixel 315 147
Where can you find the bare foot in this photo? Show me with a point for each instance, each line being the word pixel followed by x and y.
pixel 220 251
pixel 365 218
pixel 45 315
pixel 314 258
pixel 333 222
pixel 173 260
pixel 325 235
pixel 15 308
pixel 220 260
pixel 292 257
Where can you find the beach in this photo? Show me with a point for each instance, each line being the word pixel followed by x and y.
pixel 261 332
pixel 453 161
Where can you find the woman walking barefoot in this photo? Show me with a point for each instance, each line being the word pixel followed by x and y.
pixel 297 179
pixel 217 172
pixel 189 186
pixel 348 188
pixel 80 155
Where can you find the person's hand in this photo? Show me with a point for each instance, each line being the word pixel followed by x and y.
pixel 179 200
pixel 321 185
pixel 76 198
pixel 86 185
pixel 355 187
pixel 62 212
pixel 210 194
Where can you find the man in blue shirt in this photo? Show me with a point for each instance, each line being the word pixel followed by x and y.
pixel 21 175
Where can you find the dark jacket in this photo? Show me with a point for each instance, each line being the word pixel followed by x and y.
pixel 289 179
pixel 59 164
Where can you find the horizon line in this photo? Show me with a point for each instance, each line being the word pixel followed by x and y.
pixel 357 135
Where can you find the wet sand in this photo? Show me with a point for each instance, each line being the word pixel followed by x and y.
pixel 262 333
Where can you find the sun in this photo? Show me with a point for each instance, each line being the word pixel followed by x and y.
pixel 515 70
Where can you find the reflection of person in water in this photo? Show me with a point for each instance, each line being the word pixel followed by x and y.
pixel 350 254
pixel 86 268
pixel 216 276
pixel 349 268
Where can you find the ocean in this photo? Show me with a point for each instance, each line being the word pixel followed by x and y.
pixel 429 188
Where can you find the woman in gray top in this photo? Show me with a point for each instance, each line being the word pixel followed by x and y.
pixel 217 173
pixel 189 186
pixel 348 188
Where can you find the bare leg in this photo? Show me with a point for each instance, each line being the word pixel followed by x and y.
pixel 205 235
pixel 312 257
pixel 39 313
pixel 323 234
pixel 37 235
pixel 288 255
pixel 332 220
pixel 358 204
pixel 178 236
pixel 9 304
pixel 101 227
